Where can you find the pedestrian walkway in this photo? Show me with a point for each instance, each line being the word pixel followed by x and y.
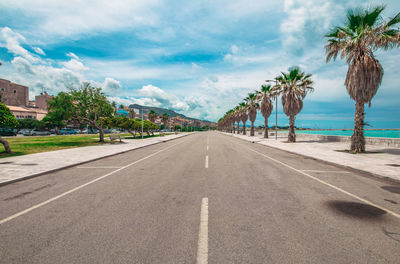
pixel 380 161
pixel 22 167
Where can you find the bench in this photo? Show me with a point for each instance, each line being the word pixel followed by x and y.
pixel 115 137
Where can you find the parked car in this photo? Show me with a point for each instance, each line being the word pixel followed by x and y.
pixel 6 132
pixel 93 131
pixel 22 131
pixel 67 131
pixel 36 132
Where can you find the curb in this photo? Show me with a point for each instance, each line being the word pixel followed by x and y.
pixel 369 174
pixel 83 162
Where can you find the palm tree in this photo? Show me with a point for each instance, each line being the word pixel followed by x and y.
pixel 152 116
pixel 131 114
pixel 236 117
pixel 266 105
pixel 243 115
pixel 293 86
pixel 252 107
pixel 363 33
pixel 164 120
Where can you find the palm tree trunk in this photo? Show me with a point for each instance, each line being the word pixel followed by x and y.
pixel 238 127
pixel 357 139
pixel 6 145
pixel 292 135
pixel 266 127
pixel 252 129
pixel 234 132
pixel 244 128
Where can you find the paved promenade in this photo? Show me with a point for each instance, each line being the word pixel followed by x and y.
pixel 22 167
pixel 379 160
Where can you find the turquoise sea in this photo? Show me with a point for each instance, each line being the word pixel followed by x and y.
pixel 368 133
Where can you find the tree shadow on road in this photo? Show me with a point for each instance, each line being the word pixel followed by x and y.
pixel 356 210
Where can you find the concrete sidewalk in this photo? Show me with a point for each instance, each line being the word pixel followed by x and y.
pixel 22 167
pixel 379 161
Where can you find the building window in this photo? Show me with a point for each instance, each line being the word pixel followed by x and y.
pixel 2 89
pixel 15 91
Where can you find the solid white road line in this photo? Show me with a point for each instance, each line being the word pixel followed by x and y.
pixel 326 171
pixel 202 246
pixel 207 147
pixel 328 184
pixel 5 220
pixel 207 162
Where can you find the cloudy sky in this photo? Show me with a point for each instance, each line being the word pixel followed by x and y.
pixel 200 58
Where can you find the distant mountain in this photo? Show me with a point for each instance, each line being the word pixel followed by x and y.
pixel 161 111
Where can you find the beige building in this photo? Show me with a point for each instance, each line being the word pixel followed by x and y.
pixel 21 112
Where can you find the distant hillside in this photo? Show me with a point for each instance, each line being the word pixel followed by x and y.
pixel 161 111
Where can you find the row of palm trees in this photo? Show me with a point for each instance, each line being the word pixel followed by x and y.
pixel 293 87
pixel 363 33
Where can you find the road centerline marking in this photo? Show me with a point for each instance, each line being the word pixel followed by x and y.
pixel 206 162
pixel 328 184
pixel 202 247
pixel 7 219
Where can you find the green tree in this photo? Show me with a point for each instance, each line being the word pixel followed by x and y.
pixel 60 110
pixel 363 33
pixel 294 86
pixel 90 106
pixel 28 123
pixel 7 120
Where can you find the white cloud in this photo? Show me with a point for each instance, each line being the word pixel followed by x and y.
pixel 111 86
pixel 73 56
pixel 11 40
pixel 41 74
pixel 75 65
pixel 39 51
pixel 66 18
pixel 161 97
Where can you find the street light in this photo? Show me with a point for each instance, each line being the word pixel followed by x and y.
pixel 142 122
pixel 276 110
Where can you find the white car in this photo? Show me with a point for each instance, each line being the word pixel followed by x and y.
pixel 39 133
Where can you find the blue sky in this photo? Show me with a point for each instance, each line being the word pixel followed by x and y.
pixel 200 58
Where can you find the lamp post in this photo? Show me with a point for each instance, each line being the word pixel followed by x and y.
pixel 276 110
pixel 142 122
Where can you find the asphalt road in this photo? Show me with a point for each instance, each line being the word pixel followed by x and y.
pixel 205 198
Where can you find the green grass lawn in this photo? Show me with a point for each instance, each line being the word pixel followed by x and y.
pixel 29 145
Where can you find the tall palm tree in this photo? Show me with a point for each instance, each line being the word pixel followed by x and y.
pixel 236 116
pixel 266 106
pixel 252 107
pixel 243 115
pixel 164 120
pixel 152 116
pixel 294 86
pixel 363 33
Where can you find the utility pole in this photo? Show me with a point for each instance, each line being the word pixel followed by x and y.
pixel 142 122
pixel 276 110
